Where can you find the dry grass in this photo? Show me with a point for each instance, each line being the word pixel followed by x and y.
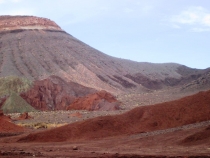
pixel 15 84
pixel 41 125
pixel 15 104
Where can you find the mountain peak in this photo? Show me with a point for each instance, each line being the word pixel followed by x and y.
pixel 26 22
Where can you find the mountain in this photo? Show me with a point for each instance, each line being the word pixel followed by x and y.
pixel 37 48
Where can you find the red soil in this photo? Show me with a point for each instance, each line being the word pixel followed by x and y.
pixel 200 137
pixel 98 101
pixel 77 114
pixel 8 127
pixel 24 116
pixel 192 109
pixel 2 116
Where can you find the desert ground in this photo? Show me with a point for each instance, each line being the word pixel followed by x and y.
pixel 163 143
pixel 120 133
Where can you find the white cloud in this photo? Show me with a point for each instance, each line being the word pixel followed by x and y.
pixel 176 26
pixel 17 12
pixel 2 1
pixel 22 12
pixel 200 29
pixel 137 7
pixel 98 9
pixel 16 1
pixel 190 16
pixel 78 11
pixel 197 18
pixel 128 10
pixel 206 20
pixel 8 1
pixel 147 9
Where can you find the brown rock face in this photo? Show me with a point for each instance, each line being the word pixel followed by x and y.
pixel 54 93
pixel 98 101
pixel 26 22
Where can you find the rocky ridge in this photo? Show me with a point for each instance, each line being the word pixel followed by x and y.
pixel 8 23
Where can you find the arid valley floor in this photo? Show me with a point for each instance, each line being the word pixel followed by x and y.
pixel 107 134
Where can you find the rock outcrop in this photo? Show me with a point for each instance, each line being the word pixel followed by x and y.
pixel 54 93
pixel 24 116
pixel 101 100
pixel 8 23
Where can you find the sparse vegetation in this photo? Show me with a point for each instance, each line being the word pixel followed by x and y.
pixel 12 84
pixel 41 125
pixel 15 103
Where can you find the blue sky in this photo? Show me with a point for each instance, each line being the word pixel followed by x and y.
pixel 157 31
